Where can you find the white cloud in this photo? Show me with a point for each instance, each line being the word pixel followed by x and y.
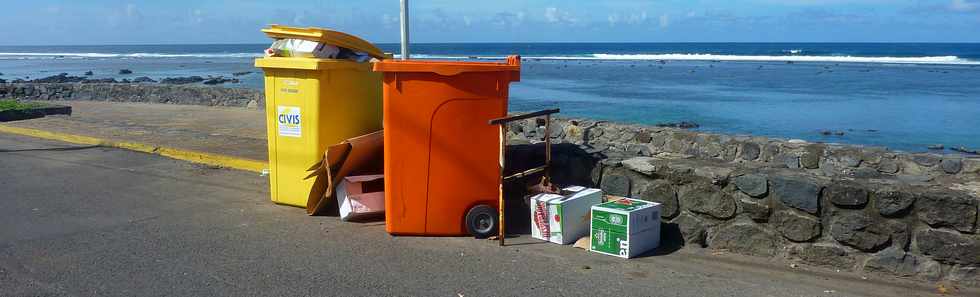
pixel 963 6
pixel 508 19
pixel 628 18
pixel 613 19
pixel 664 20
pixel 388 20
pixel 132 12
pixel 555 15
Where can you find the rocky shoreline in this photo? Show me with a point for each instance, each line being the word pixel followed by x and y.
pixel 178 93
pixel 64 78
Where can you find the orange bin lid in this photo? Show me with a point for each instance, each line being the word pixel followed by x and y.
pixel 448 68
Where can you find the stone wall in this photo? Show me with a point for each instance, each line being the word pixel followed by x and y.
pixel 848 207
pixel 135 92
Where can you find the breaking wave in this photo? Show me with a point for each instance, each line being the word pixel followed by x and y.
pixel 794 58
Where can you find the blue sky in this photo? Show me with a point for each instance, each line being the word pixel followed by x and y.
pixel 225 21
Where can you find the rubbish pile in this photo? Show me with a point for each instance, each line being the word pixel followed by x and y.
pixel 311 49
pixel 355 134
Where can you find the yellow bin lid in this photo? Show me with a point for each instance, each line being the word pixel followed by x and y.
pixel 327 36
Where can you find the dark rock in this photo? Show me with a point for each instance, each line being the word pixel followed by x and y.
pixel 639 150
pixel 897 262
pixel 728 151
pixel 810 159
pixel 658 139
pixel 125 71
pixel 966 150
pixel 848 157
pixel 948 246
pixel 692 229
pixel 797 192
pixel 824 254
pixel 914 179
pixel 681 125
pixel 757 210
pixel 795 227
pixel 769 152
pixel 616 184
pixel 893 203
pixel 181 80
pixel 643 137
pixel 89 73
pixel 858 230
pixel 846 194
pixel 125 81
pixel 755 185
pixel 709 200
pixel 60 78
pixel 791 161
pixel 901 233
pixel 143 79
pixel 241 73
pixel 927 160
pixel 863 173
pixel 965 274
pixel 951 166
pixel 100 81
pixel 948 209
pixel 744 238
pixel 661 191
pixel 717 175
pixel 221 80
pixel 3 81
pixel 888 166
pixel 749 151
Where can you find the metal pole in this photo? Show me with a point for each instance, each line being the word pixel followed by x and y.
pixel 404 29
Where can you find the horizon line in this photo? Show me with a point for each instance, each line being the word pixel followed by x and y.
pixel 534 42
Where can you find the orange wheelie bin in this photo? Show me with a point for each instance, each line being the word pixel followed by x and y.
pixel 440 155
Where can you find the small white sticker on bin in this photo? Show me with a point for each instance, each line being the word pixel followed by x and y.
pixel 289 121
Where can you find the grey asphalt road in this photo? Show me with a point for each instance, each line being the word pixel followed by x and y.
pixel 91 221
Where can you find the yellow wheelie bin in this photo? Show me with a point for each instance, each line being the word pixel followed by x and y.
pixel 313 103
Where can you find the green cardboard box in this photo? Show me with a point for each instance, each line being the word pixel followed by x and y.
pixel 625 228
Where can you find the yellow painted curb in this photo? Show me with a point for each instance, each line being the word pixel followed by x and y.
pixel 173 153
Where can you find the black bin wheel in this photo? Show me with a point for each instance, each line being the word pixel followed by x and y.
pixel 482 221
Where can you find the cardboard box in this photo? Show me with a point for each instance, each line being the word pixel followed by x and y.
pixel 361 197
pixel 625 228
pixel 563 219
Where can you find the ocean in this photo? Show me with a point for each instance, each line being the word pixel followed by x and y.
pixel 905 96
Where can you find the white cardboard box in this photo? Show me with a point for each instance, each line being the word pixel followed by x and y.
pixel 563 219
pixel 355 203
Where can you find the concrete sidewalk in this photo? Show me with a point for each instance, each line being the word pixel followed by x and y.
pixel 235 132
pixel 95 221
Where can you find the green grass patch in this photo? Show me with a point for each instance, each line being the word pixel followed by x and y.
pixel 10 104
